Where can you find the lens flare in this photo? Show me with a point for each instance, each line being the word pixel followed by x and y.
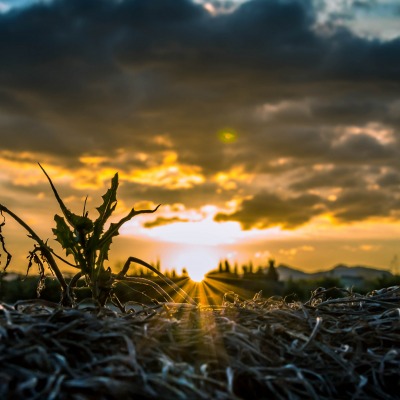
pixel 227 136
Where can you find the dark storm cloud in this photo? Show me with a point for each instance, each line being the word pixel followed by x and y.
pixel 358 205
pixel 363 149
pixel 118 61
pixel 266 210
pixel 94 76
pixel 194 197
pixel 389 180
pixel 339 177
pixel 298 142
pixel 350 109
pixel 307 145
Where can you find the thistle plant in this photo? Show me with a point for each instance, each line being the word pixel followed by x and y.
pixel 88 242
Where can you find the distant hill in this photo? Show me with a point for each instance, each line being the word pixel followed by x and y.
pixel 339 271
pixel 285 272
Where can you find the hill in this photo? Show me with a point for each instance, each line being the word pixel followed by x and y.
pixel 339 271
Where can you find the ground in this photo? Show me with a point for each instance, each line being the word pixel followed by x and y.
pixel 346 347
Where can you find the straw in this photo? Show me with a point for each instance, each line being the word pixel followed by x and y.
pixel 347 347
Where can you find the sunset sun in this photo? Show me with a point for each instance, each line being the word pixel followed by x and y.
pixel 197 260
pixel 196 275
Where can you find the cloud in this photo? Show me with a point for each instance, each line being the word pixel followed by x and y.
pixel 362 147
pixel 267 210
pixel 333 177
pixel 363 247
pixel 365 18
pixel 194 197
pixel 4 7
pixel 170 174
pixel 291 252
pixel 160 221
pixel 215 7
pixel 358 205
pixel 97 86
pixel 389 179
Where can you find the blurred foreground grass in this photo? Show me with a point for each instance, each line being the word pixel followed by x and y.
pixel 345 347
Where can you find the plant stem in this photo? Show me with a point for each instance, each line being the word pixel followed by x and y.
pixel 66 299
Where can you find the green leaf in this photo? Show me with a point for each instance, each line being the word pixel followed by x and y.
pixel 64 236
pixel 105 211
pixel 106 241
pixel 69 241
pixel 103 254
pixel 114 227
pixel 109 199
pixel 107 208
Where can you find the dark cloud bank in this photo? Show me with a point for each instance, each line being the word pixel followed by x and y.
pixel 93 76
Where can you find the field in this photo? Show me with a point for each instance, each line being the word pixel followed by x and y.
pixel 327 347
pixel 342 348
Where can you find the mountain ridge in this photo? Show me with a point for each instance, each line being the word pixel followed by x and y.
pixel 338 271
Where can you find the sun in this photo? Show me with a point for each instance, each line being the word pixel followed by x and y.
pixel 197 260
pixel 196 276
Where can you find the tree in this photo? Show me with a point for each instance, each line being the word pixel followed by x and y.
pixel 235 269
pixel 272 273
pixel 227 267
pixel 250 267
pixel 220 267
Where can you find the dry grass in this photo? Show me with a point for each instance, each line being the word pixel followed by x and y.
pixel 262 348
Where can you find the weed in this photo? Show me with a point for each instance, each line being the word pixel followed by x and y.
pixel 88 242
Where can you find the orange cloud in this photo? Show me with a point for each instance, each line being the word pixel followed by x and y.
pixel 169 174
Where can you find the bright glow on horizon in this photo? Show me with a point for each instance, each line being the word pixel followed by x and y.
pixel 196 277
pixel 206 232
pixel 287 246
pixel 197 261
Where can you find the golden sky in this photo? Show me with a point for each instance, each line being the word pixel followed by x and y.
pixel 263 128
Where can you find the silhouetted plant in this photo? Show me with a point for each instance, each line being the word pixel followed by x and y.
pixel 88 243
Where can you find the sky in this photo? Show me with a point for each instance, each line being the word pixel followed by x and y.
pixel 264 128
